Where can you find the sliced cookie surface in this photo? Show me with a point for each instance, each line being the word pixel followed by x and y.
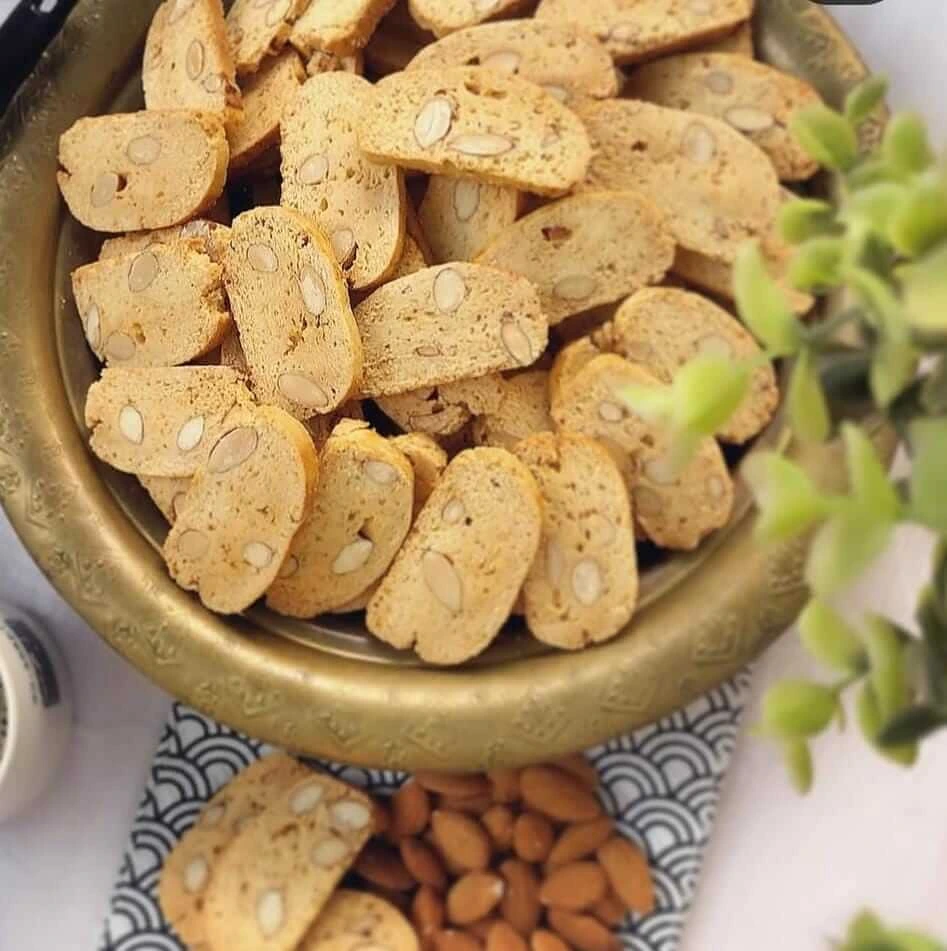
pixel 244 507
pixel 740 41
pixel 411 261
pixel 424 411
pixel 586 250
pixel 158 308
pixel 341 26
pixel 168 494
pixel 485 512
pixel 208 236
pixel 475 122
pixel 359 204
pixel 448 323
pixel 352 920
pixel 446 16
pixel 583 585
pixel 142 170
pixel 427 459
pixel 260 28
pixel 292 309
pixel 523 411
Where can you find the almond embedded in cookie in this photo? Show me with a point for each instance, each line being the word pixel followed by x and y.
pixel 207 236
pixel 523 411
pixel 258 29
pixel 352 920
pixel 340 27
pixel 447 16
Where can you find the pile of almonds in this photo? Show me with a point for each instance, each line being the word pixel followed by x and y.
pixel 507 861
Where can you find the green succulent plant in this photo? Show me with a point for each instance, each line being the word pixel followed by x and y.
pixel 868 933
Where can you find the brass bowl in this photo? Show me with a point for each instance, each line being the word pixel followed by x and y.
pixel 328 689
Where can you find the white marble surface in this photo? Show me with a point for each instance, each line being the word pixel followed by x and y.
pixel 781 873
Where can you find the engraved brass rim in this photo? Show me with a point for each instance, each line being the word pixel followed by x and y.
pixel 92 535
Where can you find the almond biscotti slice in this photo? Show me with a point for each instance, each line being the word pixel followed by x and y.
pixel 358 204
pixel 360 515
pixel 282 869
pixel 753 98
pixel 161 422
pixel 586 250
pixel 740 42
pixel 716 187
pixel 633 31
pixel 453 322
pixel 353 919
pixel 411 261
pixel 231 353
pixel 461 216
pixel 322 62
pixel 188 63
pixel 424 411
pixel 427 459
pixel 339 26
pixel 453 584
pixel 168 493
pixel 246 503
pixel 562 58
pixel 476 123
pixel 190 867
pixel 211 237
pixel 142 170
pixel 292 309
pixel 159 308
pixel 583 585
pixel 258 29
pixel 523 411
pixel 447 16
pixel 569 360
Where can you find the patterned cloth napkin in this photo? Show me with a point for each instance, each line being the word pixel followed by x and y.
pixel 661 783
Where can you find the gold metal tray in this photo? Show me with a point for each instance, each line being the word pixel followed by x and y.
pixel 329 689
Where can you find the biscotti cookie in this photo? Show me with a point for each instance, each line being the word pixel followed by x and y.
pixel 674 509
pixel 260 28
pixel 427 459
pixel 340 27
pixel 523 411
pixel 663 328
pixel 245 505
pixel 485 512
pixel 477 123
pixel 448 323
pixel 753 98
pixel 461 217
pixel 159 308
pixel 161 422
pixel 569 360
pixel 142 170
pixel 231 353
pixel 359 204
pixel 208 236
pixel 740 42
pixel 424 411
pixel 361 513
pixel 562 58
pixel 188 63
pixel 447 16
pixel 281 870
pixel 167 493
pixel 633 31
pixel 322 62
pixel 411 261
pixel 266 94
pixel 715 186
pixel 191 864
pixel 586 250
pixel 292 309
pixel 353 920
pixel 583 585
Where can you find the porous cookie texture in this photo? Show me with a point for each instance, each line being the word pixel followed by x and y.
pixel 161 307
pixel 411 261
pixel 561 57
pixel 675 509
pixel 245 505
pixel 478 123
pixel 716 187
pixel 359 204
pixel 633 31
pixel 282 869
pixel 427 459
pixel 361 513
pixel 341 26
pixel 353 920
pixel 292 309
pixel 424 411
pixel 201 233
pixel 142 170
pixel 583 584
pixel 461 216
pixel 190 867
pixel 755 99
pixel 258 29
pixel 231 353
pixel 446 16
pixel 161 422
pixel 523 411
pixel 586 250
pixel 188 63
pixel 168 493
pixel 322 62
pixel 448 323
pixel 740 41
pixel 455 580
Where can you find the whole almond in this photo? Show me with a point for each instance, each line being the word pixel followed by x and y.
pixel 455 941
pixel 383 867
pixel 381 818
pixel 481 929
pixel 558 794
pixel 543 940
pixel 462 841
pixel 461 785
pixel 583 932
pixel 505 785
pixel 578 766
pixel 504 937
pixel 427 911
pixel 423 863
pixel 520 905
pixel 574 887
pixel 498 820
pixel 473 897
pixel 410 810
pixel 472 805
pixel 532 837
pixel 610 910
pixel 627 870
pixel 579 840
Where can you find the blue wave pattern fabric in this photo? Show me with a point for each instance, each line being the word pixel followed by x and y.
pixel 662 784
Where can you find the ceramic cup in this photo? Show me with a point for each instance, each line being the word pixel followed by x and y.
pixel 35 711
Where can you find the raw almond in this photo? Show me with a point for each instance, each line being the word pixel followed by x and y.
pixel 610 910
pixel 461 840
pixel 543 940
pixel 473 897
pixel 627 870
pixel 578 841
pixel 583 932
pixel 423 863
pixel 558 794
pixel 504 937
pixel 505 784
pixel 577 765
pixel 481 929
pixel 472 805
pixel 381 818
pixel 532 837
pixel 520 905
pixel 455 941
pixel 410 810
pixel 382 867
pixel 459 785
pixel 499 821
pixel 427 911
pixel 574 887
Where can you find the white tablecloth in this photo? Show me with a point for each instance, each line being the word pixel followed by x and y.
pixel 781 873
